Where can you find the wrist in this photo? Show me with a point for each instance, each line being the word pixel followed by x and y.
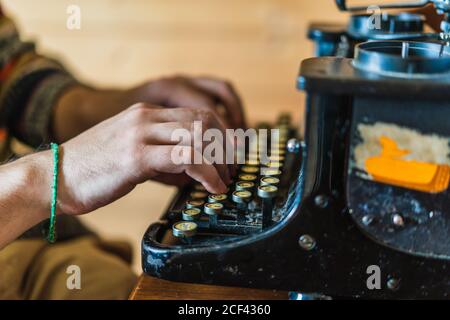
pixel 29 179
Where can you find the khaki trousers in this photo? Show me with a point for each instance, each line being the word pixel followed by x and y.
pixel 34 269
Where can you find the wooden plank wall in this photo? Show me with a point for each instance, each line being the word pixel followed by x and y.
pixel 258 44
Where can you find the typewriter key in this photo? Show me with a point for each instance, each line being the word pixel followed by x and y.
pixel 199 187
pixel 213 208
pixel 243 196
pixel 198 195
pixel 274 165
pixel 191 214
pixel 250 169
pixel 276 158
pixel 270 172
pixel 278 152
pixel 270 181
pixel 279 146
pixel 213 198
pixel 244 185
pixel 194 203
pixel 267 191
pixel 248 177
pixel 252 163
pixel 184 229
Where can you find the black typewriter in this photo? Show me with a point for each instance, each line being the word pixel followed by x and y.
pixel 365 192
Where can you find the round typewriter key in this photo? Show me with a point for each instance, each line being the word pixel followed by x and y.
pixel 243 196
pixel 191 214
pixel 270 181
pixel 276 158
pixel 213 208
pixel 279 145
pixel 252 157
pixel 184 229
pixel 252 163
pixel 217 198
pixel 274 165
pixel 250 169
pixel 277 152
pixel 248 177
pixel 199 187
pixel 270 172
pixel 198 195
pixel 244 185
pixel 268 191
pixel 194 203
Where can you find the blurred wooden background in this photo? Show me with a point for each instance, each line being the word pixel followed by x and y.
pixel 257 44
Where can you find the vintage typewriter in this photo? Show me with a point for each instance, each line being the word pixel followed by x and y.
pixel 366 188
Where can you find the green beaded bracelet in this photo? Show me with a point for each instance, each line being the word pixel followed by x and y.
pixel 51 236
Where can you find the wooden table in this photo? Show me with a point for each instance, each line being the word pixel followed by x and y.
pixel 149 288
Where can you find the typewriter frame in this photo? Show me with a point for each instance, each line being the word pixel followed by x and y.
pixel 328 262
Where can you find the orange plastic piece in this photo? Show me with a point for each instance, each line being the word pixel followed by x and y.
pixel 390 168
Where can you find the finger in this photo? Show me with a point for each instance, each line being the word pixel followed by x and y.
pixel 171 133
pixel 227 95
pixel 208 119
pixel 179 180
pixel 168 159
pixel 186 95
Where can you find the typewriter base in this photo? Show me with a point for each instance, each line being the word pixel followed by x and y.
pixel 342 272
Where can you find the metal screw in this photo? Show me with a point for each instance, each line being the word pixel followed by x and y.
pixel 321 201
pixel 393 284
pixel 293 145
pixel 398 220
pixel 367 220
pixel 307 242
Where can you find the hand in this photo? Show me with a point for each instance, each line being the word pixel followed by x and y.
pixel 200 92
pixel 109 160
pixel 81 108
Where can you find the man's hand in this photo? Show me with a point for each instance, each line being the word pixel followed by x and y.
pixel 81 108
pixel 201 92
pixel 105 163
pixel 109 160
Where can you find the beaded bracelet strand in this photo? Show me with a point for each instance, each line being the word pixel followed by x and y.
pixel 51 236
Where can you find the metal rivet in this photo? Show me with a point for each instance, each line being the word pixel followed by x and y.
pixel 321 201
pixel 393 284
pixel 307 242
pixel 398 220
pixel 367 220
pixel 293 145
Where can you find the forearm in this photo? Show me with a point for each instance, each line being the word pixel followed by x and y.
pixel 25 193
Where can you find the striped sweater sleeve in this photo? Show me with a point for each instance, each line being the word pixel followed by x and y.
pixel 30 86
